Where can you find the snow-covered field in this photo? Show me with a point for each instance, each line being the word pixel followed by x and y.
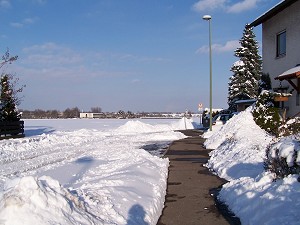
pixel 97 172
pixel 252 194
pixel 85 172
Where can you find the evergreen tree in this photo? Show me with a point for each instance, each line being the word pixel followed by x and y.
pixel 244 83
pixel 8 94
pixel 8 109
pixel 236 85
pixel 265 82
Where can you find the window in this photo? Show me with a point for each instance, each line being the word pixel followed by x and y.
pixel 281 44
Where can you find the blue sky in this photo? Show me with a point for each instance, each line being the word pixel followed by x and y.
pixel 137 55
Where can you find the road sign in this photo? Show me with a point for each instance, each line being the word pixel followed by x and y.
pixel 200 107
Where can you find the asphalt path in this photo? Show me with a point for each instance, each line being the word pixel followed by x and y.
pixel 192 188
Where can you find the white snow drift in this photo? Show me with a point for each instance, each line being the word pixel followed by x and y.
pixel 85 172
pixel 251 193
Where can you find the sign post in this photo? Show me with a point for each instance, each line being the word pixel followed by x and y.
pixel 200 109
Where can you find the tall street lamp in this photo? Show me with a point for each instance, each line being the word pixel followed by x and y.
pixel 208 18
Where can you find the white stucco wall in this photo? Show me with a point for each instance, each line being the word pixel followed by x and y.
pixel 91 115
pixel 289 20
pixel 86 115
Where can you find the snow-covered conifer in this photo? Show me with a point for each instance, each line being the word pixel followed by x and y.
pixel 244 83
pixel 265 82
pixel 8 92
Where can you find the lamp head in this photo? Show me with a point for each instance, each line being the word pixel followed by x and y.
pixel 206 17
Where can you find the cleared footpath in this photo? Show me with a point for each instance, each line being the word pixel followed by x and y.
pixel 189 198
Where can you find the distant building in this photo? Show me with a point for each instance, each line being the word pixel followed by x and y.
pixel 92 115
pixel 281 50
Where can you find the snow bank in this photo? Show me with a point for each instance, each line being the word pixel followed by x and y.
pixel 263 201
pixel 251 193
pixel 183 124
pixel 29 200
pixel 239 147
pixel 140 127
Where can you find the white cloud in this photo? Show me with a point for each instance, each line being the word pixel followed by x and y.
pixel 5 4
pixel 29 20
pixel 24 22
pixel 134 81
pixel 17 25
pixel 227 47
pixel 242 6
pixel 51 54
pixel 136 58
pixel 49 47
pixel 204 5
pixel 51 60
pixel 40 1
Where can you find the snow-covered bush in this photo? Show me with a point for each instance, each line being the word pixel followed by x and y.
pixel 265 114
pixel 291 127
pixel 283 157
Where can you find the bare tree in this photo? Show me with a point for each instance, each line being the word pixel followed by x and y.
pixel 52 114
pixel 71 113
pixel 39 113
pixel 96 110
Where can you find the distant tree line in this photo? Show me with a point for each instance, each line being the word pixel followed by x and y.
pixel 54 114
pixel 75 113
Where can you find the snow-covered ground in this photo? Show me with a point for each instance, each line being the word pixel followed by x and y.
pixel 97 172
pixel 82 171
pixel 251 193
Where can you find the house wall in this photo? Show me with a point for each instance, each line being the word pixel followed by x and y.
pixel 92 115
pixel 289 20
pixel 86 115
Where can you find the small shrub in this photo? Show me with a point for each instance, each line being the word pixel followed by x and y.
pixel 291 127
pixel 265 114
pixel 282 157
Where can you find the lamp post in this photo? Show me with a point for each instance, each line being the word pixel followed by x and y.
pixel 208 18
